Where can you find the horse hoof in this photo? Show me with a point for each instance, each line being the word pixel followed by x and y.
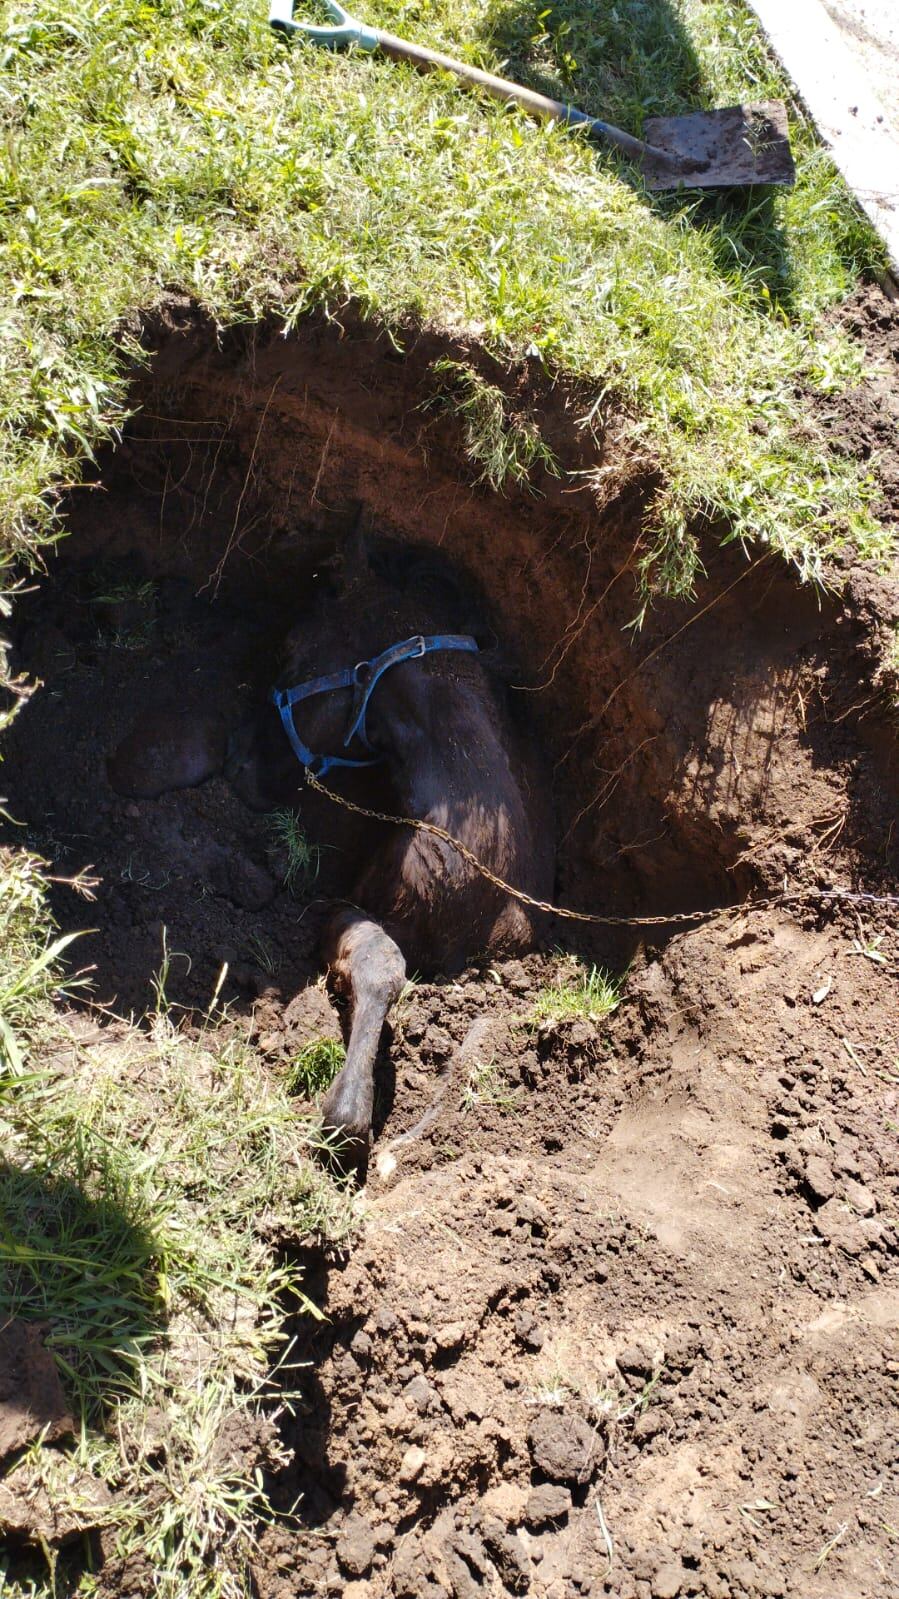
pixel 346 1152
pixel 339 1129
pixel 345 1134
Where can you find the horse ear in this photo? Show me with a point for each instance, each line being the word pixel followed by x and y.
pixel 354 557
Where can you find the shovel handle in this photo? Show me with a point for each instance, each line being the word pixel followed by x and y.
pixel 540 105
pixel 349 31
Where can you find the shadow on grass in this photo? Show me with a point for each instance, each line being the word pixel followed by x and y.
pixel 624 61
pixel 312 1486
pixel 87 1268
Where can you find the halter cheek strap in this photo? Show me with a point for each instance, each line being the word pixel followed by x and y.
pixel 362 678
pixel 284 700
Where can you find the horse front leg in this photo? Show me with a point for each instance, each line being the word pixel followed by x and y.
pixel 369 968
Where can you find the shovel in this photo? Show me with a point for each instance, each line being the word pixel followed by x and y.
pixel 739 145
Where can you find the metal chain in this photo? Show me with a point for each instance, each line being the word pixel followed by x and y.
pixel 468 855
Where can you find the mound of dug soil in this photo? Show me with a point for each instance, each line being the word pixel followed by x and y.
pixel 632 1330
pixel 621 1316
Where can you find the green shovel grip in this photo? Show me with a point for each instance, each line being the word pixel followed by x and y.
pixel 348 30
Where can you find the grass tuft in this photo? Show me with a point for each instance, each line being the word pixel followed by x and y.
pixel 488 1084
pixel 302 860
pixel 315 1068
pixel 30 956
pixel 576 994
pixel 504 447
pixel 135 592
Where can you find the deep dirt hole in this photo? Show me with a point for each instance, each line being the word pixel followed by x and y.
pixel 230 488
pixel 652 1191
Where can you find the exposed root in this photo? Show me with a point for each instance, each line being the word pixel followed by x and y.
pixel 236 533
pixel 595 721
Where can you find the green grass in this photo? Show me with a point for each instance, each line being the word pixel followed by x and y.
pixel 184 147
pixel 315 1068
pixel 577 993
pixel 29 953
pixel 263 954
pixel 503 445
pixel 488 1084
pixel 301 860
pixel 135 592
pixel 142 1176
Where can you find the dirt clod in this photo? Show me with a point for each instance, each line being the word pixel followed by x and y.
pixel 860 1198
pixel 668 1581
pixel 356 1546
pixel 412 1464
pixel 237 878
pixel 31 1397
pixel 564 1448
pixel 167 750
pixel 634 1361
pixel 819 1177
pixel 548 1502
pixel 34 1513
pixel 450 1337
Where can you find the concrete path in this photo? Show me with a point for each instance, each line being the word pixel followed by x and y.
pixel 870 30
pixel 843 57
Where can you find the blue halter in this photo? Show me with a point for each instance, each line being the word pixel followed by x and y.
pixel 362 678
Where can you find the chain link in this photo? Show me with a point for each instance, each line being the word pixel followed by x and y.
pixel 686 917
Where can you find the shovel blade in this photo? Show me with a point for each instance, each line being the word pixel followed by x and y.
pixel 739 145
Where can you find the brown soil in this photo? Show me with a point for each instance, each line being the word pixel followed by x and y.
pixel 622 1318
pixel 31 1397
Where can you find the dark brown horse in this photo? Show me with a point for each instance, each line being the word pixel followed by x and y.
pixel 425 728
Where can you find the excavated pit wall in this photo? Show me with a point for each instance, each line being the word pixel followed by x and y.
pixel 237 470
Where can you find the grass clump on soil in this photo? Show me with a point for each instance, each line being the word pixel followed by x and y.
pixel 137 593
pixel 189 148
pixel 488 1084
pixel 315 1068
pixel 301 860
pixel 505 447
pixel 576 995
pixel 143 1175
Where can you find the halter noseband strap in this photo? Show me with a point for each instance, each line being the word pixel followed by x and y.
pixel 362 678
